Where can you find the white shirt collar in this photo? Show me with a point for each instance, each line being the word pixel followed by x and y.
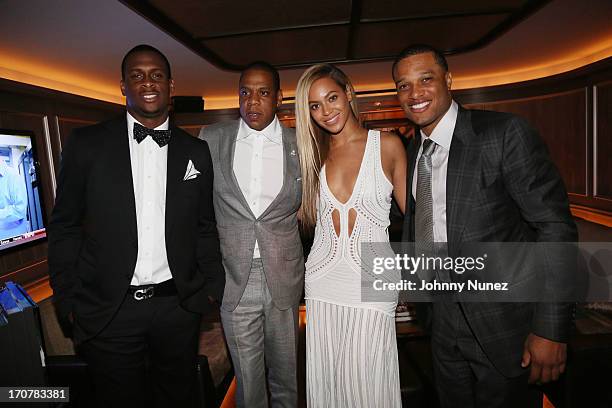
pixel 443 132
pixel 131 120
pixel 273 131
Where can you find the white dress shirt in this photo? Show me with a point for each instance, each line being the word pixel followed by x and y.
pixel 258 166
pixel 149 168
pixel 442 135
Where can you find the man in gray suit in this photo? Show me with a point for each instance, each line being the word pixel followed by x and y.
pixel 478 176
pixel 257 193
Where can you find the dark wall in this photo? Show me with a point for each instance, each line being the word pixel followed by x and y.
pixel 603 141
pixel 561 121
pixel 51 115
pixel 573 113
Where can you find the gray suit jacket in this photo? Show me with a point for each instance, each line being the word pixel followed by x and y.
pixel 502 186
pixel 276 230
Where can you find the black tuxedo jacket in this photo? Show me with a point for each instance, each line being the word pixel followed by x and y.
pixel 501 186
pixel 93 242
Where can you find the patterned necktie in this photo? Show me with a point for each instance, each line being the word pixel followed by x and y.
pixel 424 201
pixel 161 137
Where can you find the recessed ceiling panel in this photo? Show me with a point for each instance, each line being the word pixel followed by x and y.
pixel 211 18
pixel 283 48
pixel 377 40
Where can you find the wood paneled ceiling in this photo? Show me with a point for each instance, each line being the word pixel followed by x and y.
pixel 298 33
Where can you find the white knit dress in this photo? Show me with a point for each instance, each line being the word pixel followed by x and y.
pixel 351 348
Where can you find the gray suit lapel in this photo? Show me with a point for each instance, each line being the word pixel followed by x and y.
pixel 461 177
pixel 290 159
pixel 227 148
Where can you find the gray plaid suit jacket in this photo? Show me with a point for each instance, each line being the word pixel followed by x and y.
pixel 276 229
pixel 502 187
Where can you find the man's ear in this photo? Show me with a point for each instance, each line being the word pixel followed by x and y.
pixel 171 83
pixel 449 80
pixel 122 86
pixel 279 98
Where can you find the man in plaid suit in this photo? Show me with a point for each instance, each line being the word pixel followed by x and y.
pixel 486 177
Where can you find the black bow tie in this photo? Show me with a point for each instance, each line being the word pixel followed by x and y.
pixel 161 137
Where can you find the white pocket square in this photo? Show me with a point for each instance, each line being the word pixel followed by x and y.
pixel 191 172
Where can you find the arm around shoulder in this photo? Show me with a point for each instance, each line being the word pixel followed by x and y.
pixel 203 133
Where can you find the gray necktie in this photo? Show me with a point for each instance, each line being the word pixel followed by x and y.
pixel 424 202
pixel 423 223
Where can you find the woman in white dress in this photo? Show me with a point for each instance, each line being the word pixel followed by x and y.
pixel 349 175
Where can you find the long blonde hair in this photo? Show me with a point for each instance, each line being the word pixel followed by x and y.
pixel 313 142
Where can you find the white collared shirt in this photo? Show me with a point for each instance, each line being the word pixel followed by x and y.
pixel 442 135
pixel 258 166
pixel 149 168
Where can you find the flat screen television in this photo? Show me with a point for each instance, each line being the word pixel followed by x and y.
pixel 22 218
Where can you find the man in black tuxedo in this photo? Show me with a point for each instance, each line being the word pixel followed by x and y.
pixel 478 176
pixel 133 247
